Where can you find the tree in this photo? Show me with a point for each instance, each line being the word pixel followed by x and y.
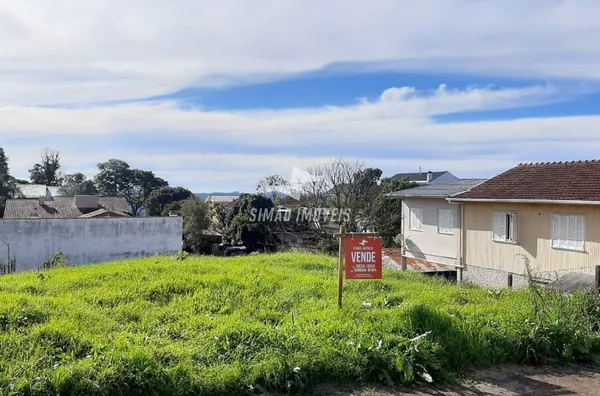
pixel 144 183
pixel 385 214
pixel 117 179
pixel 5 180
pixel 344 186
pixel 245 227
pixel 77 184
pixel 196 220
pixel 162 198
pixel 271 186
pixel 48 170
pixel 15 181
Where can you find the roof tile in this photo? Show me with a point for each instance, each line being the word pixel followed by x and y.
pixel 59 207
pixel 560 181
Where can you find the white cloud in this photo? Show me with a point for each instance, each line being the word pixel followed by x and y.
pixel 221 150
pixel 67 52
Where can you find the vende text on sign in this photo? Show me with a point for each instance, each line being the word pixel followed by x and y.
pixel 363 258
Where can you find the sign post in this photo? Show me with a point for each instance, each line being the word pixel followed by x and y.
pixel 359 256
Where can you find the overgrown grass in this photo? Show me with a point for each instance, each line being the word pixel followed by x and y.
pixel 227 326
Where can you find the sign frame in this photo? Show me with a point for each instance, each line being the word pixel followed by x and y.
pixel 343 237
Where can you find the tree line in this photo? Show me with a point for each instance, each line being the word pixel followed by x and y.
pixel 142 189
pixel 340 184
pixel 336 187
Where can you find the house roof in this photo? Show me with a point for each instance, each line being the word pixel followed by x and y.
pixel 59 208
pixel 101 212
pixel 573 181
pixel 442 190
pixel 418 176
pixel 36 190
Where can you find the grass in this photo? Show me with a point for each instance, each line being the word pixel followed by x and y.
pixel 229 326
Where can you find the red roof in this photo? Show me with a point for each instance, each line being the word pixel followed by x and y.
pixel 560 181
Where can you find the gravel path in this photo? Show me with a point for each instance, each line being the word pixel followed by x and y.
pixel 504 381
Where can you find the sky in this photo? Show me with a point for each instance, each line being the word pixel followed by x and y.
pixel 213 96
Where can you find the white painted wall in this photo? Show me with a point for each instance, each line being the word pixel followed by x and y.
pixel 86 241
pixel 429 244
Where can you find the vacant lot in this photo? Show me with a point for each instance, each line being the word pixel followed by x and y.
pixel 237 325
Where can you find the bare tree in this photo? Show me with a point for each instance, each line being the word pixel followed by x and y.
pixel 272 185
pixel 48 170
pixel 345 186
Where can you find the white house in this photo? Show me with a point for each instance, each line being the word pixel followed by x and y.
pixel 431 226
pixel 425 178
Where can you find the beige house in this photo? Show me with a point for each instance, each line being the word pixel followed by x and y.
pixel 431 226
pixel 548 213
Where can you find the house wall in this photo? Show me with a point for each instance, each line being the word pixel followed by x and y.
pixel 430 245
pixel 86 241
pixel 484 255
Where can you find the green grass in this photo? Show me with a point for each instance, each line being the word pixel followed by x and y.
pixel 222 326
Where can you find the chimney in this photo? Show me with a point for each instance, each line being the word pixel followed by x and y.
pixel 429 176
pixel 87 201
pixel 41 200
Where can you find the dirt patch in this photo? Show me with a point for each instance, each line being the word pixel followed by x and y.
pixel 505 381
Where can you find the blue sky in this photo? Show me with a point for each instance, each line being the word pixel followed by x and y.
pixel 215 95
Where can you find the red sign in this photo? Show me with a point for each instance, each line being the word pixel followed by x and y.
pixel 363 258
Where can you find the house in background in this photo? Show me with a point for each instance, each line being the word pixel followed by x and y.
pixel 30 191
pixel 431 226
pixel 424 178
pixel 548 213
pixel 219 200
pixel 79 206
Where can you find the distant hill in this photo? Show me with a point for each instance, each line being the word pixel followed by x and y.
pixel 205 195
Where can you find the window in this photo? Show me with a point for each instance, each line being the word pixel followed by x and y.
pixel 568 231
pixel 505 227
pixel 416 219
pixel 445 221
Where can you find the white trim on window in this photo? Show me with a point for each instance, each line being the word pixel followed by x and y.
pixel 445 221
pixel 568 231
pixel 505 227
pixel 416 219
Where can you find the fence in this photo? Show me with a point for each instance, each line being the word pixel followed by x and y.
pixel 29 243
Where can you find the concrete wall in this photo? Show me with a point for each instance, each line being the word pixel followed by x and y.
pixel 86 241
pixel 491 278
pixel 430 245
pixel 534 239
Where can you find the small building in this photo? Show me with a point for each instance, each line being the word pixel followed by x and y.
pixel 79 206
pixel 431 226
pixel 545 213
pixel 429 177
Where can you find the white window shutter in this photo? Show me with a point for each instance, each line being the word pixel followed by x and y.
pixel 568 231
pixel 564 231
pixel 556 230
pixel 580 239
pixel 572 232
pixel 499 226
pixel 416 219
pixel 445 221
pixel 514 224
